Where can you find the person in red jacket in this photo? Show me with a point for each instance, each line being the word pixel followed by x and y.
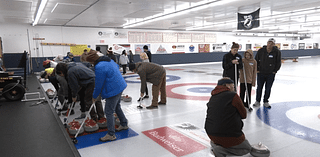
pixel 224 121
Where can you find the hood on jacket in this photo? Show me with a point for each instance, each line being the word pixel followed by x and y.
pixel 219 89
pixel 249 51
pixel 102 58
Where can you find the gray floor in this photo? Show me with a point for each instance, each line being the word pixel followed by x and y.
pixel 295 82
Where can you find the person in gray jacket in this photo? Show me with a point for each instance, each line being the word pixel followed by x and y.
pixel 268 63
pixel 80 77
pixel 155 74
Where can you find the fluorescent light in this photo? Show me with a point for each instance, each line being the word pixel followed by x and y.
pixel 199 6
pixel 43 3
pixel 54 7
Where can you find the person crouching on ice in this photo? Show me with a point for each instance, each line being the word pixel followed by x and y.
pixel 224 121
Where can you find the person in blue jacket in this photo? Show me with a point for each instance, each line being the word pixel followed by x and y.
pixel 110 84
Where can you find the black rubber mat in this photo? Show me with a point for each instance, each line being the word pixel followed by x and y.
pixel 30 129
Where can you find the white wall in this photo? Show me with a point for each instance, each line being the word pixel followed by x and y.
pixel 15 39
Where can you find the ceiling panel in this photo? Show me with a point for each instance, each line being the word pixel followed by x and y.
pixel 116 13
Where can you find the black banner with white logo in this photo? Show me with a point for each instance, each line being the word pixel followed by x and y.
pixel 248 21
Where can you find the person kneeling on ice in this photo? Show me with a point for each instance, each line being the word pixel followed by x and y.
pixel 224 121
pixel 156 74
pixel 110 84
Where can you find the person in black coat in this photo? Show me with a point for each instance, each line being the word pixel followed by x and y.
pixel 146 50
pixel 230 61
pixel 268 63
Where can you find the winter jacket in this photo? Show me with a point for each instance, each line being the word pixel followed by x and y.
pixel 123 60
pixel 268 63
pixel 149 55
pixel 109 81
pixel 149 72
pixel 113 57
pixel 224 117
pixel 250 68
pixel 229 67
pixel 79 75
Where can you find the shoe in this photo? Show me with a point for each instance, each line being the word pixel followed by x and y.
pixel 146 97
pixel 108 138
pixel 151 107
pixel 72 112
pixel 81 116
pixel 161 103
pixel 256 104
pixel 122 128
pixel 140 99
pixel 266 104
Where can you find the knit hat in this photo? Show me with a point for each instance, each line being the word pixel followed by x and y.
pixel 132 66
pixel 92 56
pixel 225 81
pixel 235 45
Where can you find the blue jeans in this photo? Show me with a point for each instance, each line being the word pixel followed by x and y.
pixel 262 79
pixel 113 105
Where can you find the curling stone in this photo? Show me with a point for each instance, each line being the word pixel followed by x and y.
pixel 260 150
pixel 74 126
pixel 90 125
pixel 116 119
pixel 127 98
pixel 102 123
pixel 42 80
pixel 50 93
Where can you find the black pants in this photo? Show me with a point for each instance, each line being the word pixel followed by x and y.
pixel 243 93
pixel 124 68
pixel 85 95
pixel 54 82
pixel 147 93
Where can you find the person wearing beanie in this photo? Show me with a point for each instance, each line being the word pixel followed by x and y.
pixel 247 76
pixel 230 61
pixel 110 84
pixel 155 74
pixel 223 123
pixel 82 92
pixel 268 63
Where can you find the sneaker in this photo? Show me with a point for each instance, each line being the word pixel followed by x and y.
pixel 81 116
pixel 108 138
pixel 140 99
pixel 161 103
pixel 122 128
pixel 146 96
pixel 266 104
pixel 256 104
pixel 152 107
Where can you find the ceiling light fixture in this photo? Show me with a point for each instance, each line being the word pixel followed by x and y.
pixel 162 16
pixel 43 3
pixel 54 7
